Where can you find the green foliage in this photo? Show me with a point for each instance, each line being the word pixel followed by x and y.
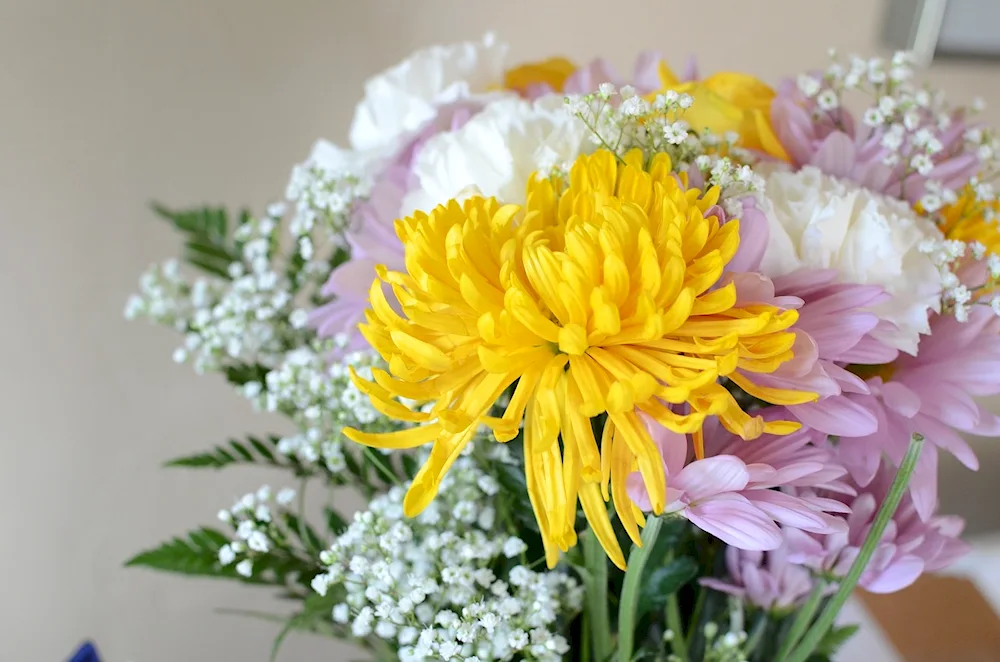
pixel 251 451
pixel 307 536
pixel 834 639
pixel 197 554
pixel 314 617
pixel 241 373
pixel 335 522
pixel 660 583
pixel 206 230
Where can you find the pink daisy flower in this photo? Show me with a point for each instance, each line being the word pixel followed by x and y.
pixel 910 546
pixel 731 494
pixel 931 394
pixel 836 143
pixel 764 579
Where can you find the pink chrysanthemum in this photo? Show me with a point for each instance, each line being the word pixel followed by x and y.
pixel 764 579
pixel 836 143
pixel 910 545
pixel 931 394
pixel 732 493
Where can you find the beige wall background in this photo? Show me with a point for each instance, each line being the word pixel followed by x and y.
pixel 105 104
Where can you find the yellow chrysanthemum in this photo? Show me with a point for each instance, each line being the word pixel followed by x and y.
pixel 729 101
pixel 971 220
pixel 552 72
pixel 603 298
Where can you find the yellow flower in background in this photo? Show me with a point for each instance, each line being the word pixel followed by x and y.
pixel 971 220
pixel 552 72
pixel 729 101
pixel 602 298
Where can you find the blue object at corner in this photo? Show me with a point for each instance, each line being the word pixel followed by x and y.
pixel 86 653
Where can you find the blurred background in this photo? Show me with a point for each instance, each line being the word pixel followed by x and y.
pixel 107 104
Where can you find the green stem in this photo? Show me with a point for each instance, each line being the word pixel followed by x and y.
pixel 678 645
pixel 756 635
pixel 303 537
pixel 629 604
pixel 596 585
pixel 885 513
pixel 802 620
pixel 699 604
pixel 387 473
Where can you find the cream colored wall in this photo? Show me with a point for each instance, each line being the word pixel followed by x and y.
pixel 105 104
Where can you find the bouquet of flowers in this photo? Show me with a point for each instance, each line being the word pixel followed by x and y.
pixel 649 369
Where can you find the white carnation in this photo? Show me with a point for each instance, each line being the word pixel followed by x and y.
pixel 820 222
pixel 402 99
pixel 495 153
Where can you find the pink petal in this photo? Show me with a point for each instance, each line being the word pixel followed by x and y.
pixel 900 399
pixel 837 415
pixel 791 511
pixel 736 522
pixel 712 476
pixel 836 155
pixel 673 446
pixel 897 576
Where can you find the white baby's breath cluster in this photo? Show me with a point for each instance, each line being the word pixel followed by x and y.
pixel 914 125
pixel 950 256
pixel 621 120
pixel 251 319
pixel 256 531
pixel 166 298
pixel 324 196
pixel 434 585
pixel 320 398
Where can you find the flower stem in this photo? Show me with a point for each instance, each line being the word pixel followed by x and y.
pixel 678 645
pixel 885 513
pixel 629 604
pixel 598 619
pixel 802 620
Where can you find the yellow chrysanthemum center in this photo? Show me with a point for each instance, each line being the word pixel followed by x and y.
pixel 603 298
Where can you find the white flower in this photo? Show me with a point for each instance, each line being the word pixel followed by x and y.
pixel 404 98
pixel 226 555
pixel 341 613
pixel 513 547
pixel 245 567
pixel 819 222
pixel 496 152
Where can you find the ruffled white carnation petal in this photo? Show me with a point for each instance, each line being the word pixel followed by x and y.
pixel 820 222
pixel 402 99
pixel 496 152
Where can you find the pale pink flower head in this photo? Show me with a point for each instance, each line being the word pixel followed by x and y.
pixel 909 546
pixel 840 145
pixel 767 580
pixel 731 494
pixel 931 394
pixel 645 75
pixel 834 329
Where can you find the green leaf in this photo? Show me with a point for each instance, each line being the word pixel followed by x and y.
pixel 263 450
pixel 241 374
pixel 305 533
pixel 834 639
pixel 334 521
pixel 659 583
pixel 194 555
pixel 236 452
pixel 315 614
pixel 341 255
